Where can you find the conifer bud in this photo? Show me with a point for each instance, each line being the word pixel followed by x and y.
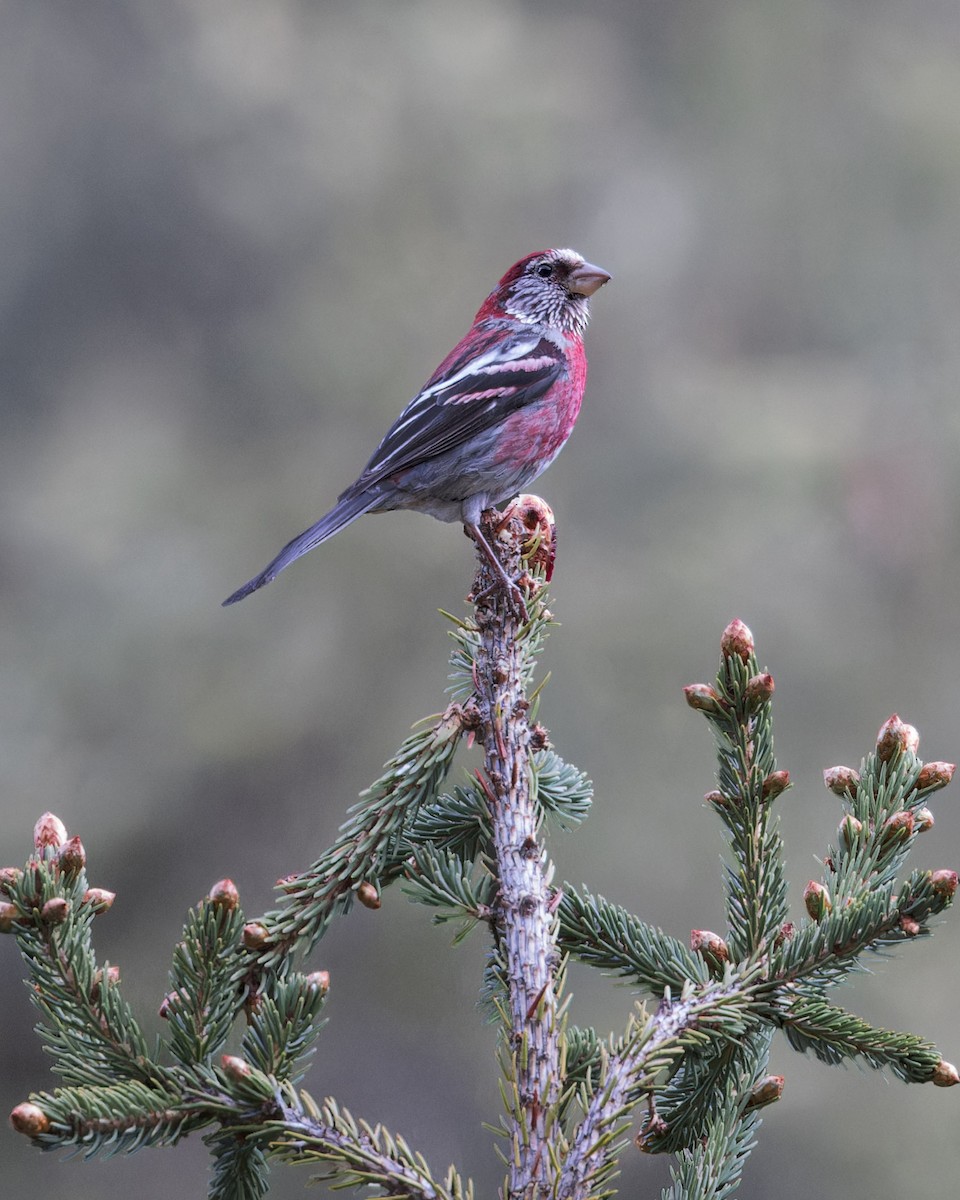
pixel 368 895
pixel 893 739
pixel 710 946
pixel 319 980
pixel 922 820
pixel 49 833
pixel 849 831
pixel 536 516
pixel 71 857
pixel 111 976
pixel 775 784
pixel 9 878
pixel 816 899
pixel 717 800
pixel 30 1120
pixel 55 911
pixel 703 698
pixel 9 915
pixel 163 1012
pixel 255 936
pixel 909 926
pixel 736 641
pixel 653 1128
pixel 252 1004
pixel 224 894
pixel 945 1074
pixel 99 899
pixel 935 775
pixel 842 781
pixel 767 1091
pixel 234 1067
pixel 896 829
pixel 539 737
pixel 784 934
pixel 944 883
pixel 760 688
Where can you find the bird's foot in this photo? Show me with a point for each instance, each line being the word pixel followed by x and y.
pixel 512 592
pixel 509 588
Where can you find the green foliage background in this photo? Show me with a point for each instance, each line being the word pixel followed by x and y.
pixel 236 238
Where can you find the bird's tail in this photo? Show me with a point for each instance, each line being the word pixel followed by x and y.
pixel 347 509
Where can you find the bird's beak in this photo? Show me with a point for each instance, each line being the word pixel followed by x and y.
pixel 586 279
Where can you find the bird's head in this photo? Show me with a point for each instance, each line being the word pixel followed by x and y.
pixel 551 288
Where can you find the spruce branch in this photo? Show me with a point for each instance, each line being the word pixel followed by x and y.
pixel 503 662
pixel 85 1023
pixel 834 1035
pixel 370 847
pixel 697 1058
pixel 358 1154
pixel 608 936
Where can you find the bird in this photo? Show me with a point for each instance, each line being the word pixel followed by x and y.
pixel 492 417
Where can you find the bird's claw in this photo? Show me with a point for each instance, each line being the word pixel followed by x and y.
pixel 512 592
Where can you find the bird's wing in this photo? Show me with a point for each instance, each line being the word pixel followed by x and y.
pixel 483 380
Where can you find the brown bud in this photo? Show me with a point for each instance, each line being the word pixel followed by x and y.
pixel 112 977
pixel 55 911
pixel 9 878
pixel 893 739
pixel 896 829
pixel 234 1067
pixel 717 800
pixel 760 688
pixel 71 857
pixel 29 1119
pixel 775 784
pixel 653 1128
pixel 909 926
pixel 784 934
pixel 944 883
pixel 945 1074
pixel 9 916
pixel 539 737
pixel 842 781
pixel 849 831
pixel 710 946
pixel 913 738
pixel 935 775
pixel 255 936
pixel 99 899
pixel 49 832
pixel 736 640
pixel 922 820
pixel 224 894
pixel 816 899
pixel 537 518
pixel 703 698
pixel 319 980
pixel 767 1091
pixel 164 1010
pixel 368 895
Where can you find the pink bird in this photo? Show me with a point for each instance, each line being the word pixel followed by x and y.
pixel 490 419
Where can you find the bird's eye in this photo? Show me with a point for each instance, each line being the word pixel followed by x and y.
pixel 545 270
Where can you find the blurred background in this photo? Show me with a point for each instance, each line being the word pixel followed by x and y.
pixel 235 238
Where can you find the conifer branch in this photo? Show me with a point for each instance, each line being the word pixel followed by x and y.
pixel 475 853
pixel 526 925
pixel 370 849
pixel 358 1154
